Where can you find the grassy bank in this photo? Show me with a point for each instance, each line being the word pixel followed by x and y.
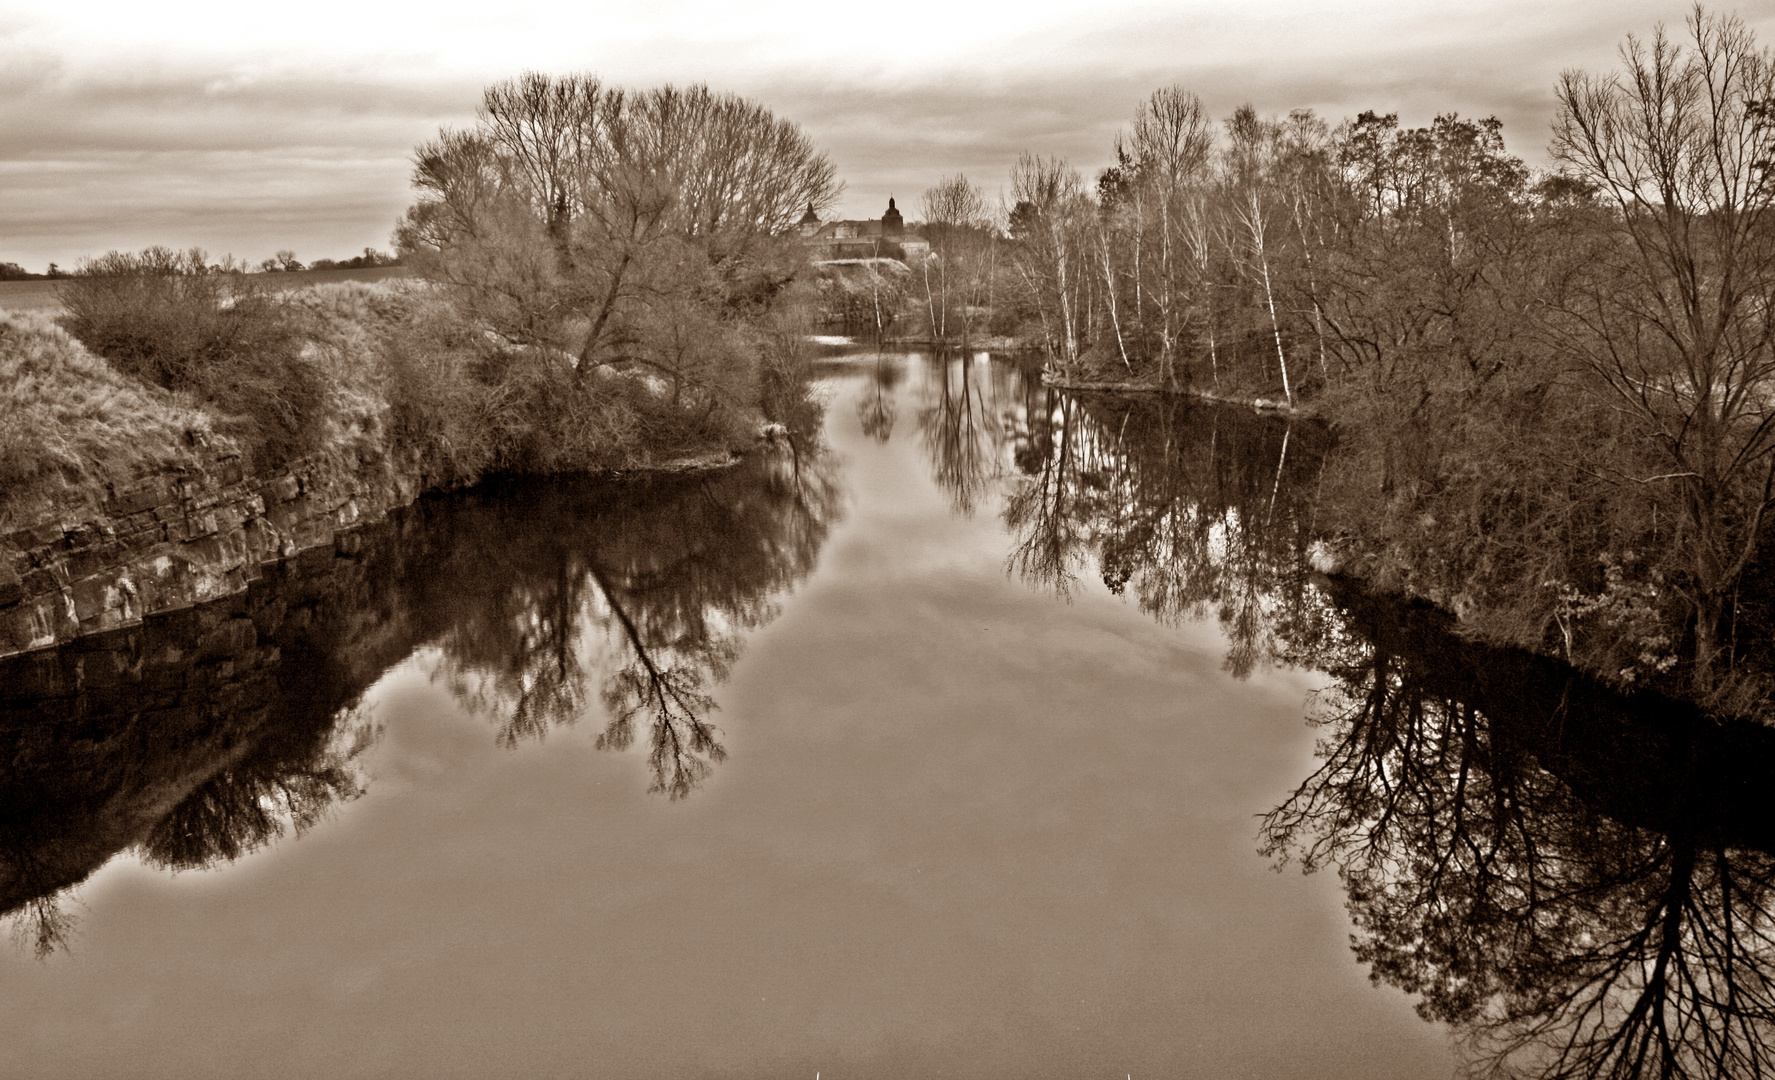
pixel 143 375
pixel 74 425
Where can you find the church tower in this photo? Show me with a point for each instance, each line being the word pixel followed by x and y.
pixel 892 224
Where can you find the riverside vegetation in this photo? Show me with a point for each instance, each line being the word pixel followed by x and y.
pixel 1550 391
pixel 602 283
pixel 1553 391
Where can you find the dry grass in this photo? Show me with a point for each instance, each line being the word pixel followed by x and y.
pixel 73 424
pixel 405 367
pixel 45 294
pixel 344 323
pixel 371 370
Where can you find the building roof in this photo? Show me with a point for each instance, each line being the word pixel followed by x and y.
pixel 868 238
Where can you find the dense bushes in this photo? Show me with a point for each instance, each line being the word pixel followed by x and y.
pixel 399 368
pixel 461 403
pixel 173 321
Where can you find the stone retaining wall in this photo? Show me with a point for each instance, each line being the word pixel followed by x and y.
pixel 179 539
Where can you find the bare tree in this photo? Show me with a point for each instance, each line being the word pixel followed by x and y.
pixel 1049 204
pixel 1169 147
pixel 570 208
pixel 1248 167
pixel 1674 314
pixel 959 230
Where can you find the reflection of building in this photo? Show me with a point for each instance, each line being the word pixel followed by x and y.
pixel 887 238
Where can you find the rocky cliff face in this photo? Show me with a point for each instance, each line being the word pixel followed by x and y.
pixel 176 736
pixel 180 539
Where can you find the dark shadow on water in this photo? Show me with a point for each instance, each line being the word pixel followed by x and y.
pixel 207 734
pixel 1580 882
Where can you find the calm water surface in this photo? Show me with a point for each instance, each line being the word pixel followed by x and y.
pixel 842 763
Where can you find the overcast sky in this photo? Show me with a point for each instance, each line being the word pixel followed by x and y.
pixel 244 128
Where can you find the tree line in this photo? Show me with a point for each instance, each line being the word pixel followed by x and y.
pixel 1554 389
pixel 283 261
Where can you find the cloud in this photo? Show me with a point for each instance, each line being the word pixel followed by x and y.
pixel 243 203
pixel 895 131
pixel 252 129
pixel 231 163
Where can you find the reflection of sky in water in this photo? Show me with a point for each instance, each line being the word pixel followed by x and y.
pixel 965 829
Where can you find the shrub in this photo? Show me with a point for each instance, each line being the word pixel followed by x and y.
pixel 171 320
pixel 785 372
pixel 465 402
pixel 432 373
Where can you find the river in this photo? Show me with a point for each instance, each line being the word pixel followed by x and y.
pixel 968 742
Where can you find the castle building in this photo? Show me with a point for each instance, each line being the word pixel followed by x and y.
pixel 883 238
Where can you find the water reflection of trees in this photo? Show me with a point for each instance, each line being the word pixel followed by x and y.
pixel 1197 508
pixel 194 743
pixel 965 408
pixel 1580 883
pixel 654 588
pixel 289 778
pixel 876 407
pixel 213 732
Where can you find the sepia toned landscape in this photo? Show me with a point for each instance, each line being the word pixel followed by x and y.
pixel 793 549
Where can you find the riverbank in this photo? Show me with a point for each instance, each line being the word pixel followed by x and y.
pixel 997 345
pixel 1465 546
pixel 121 500
pixel 180 538
pixel 204 533
pixel 1265 405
